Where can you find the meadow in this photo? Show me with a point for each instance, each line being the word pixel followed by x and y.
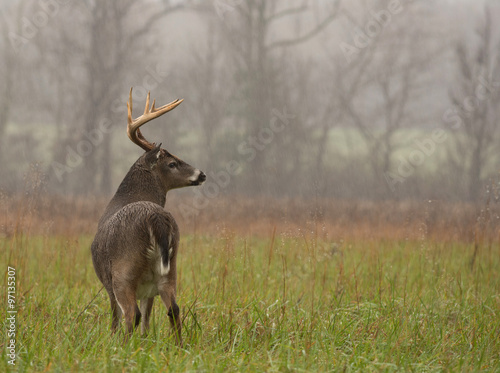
pixel 290 296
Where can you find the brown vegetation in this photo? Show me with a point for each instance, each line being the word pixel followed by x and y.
pixel 325 218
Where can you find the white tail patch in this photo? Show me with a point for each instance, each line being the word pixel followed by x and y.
pixel 165 270
pixel 155 254
pixel 153 247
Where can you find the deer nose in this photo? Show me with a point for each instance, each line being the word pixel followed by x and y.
pixel 202 177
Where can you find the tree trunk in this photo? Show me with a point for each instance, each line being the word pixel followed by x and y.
pixel 475 174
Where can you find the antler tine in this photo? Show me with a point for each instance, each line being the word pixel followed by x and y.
pixel 146 109
pixel 129 108
pixel 134 124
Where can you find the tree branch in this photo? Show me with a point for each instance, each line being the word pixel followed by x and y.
pixel 286 12
pixel 155 18
pixel 307 36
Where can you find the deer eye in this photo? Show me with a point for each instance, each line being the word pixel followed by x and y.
pixel 172 165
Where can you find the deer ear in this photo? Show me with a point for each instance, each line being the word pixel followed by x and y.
pixel 159 152
pixel 153 156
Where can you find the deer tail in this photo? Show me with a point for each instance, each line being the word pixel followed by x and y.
pixel 164 235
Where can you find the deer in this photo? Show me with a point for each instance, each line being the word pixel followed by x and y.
pixel 135 248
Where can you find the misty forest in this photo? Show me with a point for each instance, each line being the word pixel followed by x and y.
pixel 351 100
pixel 352 155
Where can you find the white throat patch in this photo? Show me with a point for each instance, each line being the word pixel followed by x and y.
pixel 195 175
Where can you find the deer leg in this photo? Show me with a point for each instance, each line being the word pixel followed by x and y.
pixel 125 297
pixel 146 308
pixel 116 313
pixel 167 293
pixel 175 321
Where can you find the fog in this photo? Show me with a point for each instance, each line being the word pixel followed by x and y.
pixel 372 100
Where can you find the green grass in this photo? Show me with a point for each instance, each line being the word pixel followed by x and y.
pixel 278 304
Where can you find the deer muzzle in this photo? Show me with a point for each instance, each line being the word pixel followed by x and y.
pixel 198 178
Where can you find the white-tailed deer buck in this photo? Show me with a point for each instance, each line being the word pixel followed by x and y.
pixel 135 249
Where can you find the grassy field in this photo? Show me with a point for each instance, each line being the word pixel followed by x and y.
pixel 279 303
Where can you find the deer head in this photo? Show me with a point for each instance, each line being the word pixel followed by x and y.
pixel 171 170
pixel 157 171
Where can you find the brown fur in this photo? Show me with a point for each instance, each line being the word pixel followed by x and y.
pixel 135 249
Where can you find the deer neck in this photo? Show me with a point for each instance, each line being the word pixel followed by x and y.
pixel 140 184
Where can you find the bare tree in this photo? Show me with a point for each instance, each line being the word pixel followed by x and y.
pixel 8 65
pixel 257 64
pixel 99 51
pixel 379 89
pixel 210 92
pixel 475 115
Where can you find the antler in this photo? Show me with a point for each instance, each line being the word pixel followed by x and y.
pixel 133 131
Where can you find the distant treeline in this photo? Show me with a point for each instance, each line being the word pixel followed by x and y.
pixel 320 99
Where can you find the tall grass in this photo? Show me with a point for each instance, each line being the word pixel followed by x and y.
pixel 299 302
